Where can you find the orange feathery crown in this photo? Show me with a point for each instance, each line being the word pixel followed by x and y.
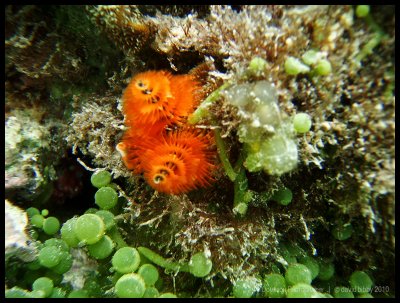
pixel 134 142
pixel 180 162
pixel 172 162
pixel 155 96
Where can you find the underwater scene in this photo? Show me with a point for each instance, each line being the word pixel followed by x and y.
pixel 199 151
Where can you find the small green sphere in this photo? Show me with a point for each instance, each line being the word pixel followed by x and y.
pixel 106 198
pixel 151 292
pixel 302 123
pixel 257 66
pixel 108 218
pixel 31 211
pixel 323 68
pixel 49 256
pixel 65 263
pixel 298 273
pixel 51 225
pixel 326 270
pixel 245 288
pixel 342 292
pixel 45 212
pixel 360 282
pixel 130 286
pixel 274 286
pixel 43 284
pixel 60 243
pixel 199 265
pixel 68 233
pixel 126 260
pixel 301 290
pixel 283 196
pixel 311 57
pixel 101 178
pixel 149 274
pixel 37 221
pixel 362 11
pixel 101 249
pixel 294 66
pixel 91 210
pixel 312 265
pixel 342 232
pixel 89 228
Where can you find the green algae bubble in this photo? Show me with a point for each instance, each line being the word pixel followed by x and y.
pixel 245 288
pixel 60 243
pixel 323 68
pixel 362 11
pixel 108 218
pixel 149 274
pixel 130 286
pixel 312 265
pixel 49 256
pixel 257 66
pixel 91 210
pixel 43 284
pixel 31 211
pixel 126 260
pixel 199 265
pixel 274 286
pixel 283 196
pixel 342 232
pixel 37 221
pixel 294 66
pixel 360 282
pixel 151 292
pixel 298 273
pixel 65 263
pixel 100 178
pixel 89 228
pixel 311 57
pixel 51 225
pixel 68 233
pixel 302 123
pixel 101 249
pixel 106 198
